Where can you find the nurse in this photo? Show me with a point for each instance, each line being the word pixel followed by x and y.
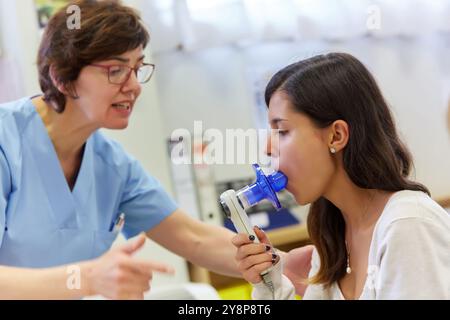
pixel 64 186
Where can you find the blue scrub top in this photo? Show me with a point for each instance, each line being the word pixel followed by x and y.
pixel 42 222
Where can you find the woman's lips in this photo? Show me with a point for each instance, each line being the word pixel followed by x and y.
pixel 288 186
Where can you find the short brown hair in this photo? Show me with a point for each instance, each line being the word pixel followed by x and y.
pixel 107 29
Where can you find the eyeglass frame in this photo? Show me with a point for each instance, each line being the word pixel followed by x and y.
pixel 136 69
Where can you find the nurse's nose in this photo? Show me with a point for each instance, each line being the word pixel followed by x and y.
pixel 132 84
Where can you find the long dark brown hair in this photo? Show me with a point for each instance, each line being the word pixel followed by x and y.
pixel 337 86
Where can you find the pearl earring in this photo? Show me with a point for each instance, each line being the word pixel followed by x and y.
pixel 332 150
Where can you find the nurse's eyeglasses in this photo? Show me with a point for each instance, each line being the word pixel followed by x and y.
pixel 119 74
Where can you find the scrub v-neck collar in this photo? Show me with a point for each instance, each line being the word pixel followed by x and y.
pixel 68 206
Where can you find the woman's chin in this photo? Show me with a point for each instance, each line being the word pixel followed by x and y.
pixel 301 199
pixel 301 202
pixel 296 195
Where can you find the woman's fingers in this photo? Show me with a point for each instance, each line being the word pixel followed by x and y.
pixel 254 260
pixel 246 246
pixel 241 239
pixel 253 275
pixel 262 236
pixel 252 249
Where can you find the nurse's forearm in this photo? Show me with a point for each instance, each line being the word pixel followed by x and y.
pixel 59 283
pixel 216 252
pixel 203 244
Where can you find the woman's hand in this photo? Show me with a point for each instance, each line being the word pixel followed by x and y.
pixel 254 258
pixel 117 275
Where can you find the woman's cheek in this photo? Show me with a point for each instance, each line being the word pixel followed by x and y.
pixel 285 147
pixel 283 159
pixel 290 162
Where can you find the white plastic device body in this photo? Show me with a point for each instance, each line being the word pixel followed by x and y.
pixel 235 211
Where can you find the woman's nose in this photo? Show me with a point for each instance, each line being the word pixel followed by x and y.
pixel 268 150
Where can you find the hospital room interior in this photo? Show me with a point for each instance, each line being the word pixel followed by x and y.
pixel 212 62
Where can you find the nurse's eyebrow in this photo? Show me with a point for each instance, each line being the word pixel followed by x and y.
pixel 125 60
pixel 275 121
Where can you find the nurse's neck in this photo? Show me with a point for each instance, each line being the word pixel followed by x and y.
pixel 68 131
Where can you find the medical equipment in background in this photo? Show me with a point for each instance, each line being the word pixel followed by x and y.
pixel 234 204
pixel 194 183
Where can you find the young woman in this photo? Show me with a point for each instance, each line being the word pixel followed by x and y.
pixel 377 234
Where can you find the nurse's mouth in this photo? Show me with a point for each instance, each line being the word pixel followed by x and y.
pixel 122 106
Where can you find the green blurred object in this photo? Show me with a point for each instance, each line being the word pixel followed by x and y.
pixel 46 8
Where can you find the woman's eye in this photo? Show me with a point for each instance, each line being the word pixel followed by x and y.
pixel 283 132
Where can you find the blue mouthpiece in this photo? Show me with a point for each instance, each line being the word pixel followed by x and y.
pixel 265 187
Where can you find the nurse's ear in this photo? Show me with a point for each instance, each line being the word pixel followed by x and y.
pixel 338 135
pixel 66 89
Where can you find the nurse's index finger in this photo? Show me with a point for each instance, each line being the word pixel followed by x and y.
pixel 146 265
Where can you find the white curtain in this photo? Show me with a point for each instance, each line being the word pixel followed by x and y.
pixel 198 24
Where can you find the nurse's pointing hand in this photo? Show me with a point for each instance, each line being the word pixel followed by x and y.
pixel 117 275
pixel 133 246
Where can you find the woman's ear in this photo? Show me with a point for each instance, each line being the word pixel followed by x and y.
pixel 338 136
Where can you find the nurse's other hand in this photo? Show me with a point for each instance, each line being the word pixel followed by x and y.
pixel 117 275
pixel 254 258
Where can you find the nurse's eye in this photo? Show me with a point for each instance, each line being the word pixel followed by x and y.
pixel 283 132
pixel 116 71
pixel 139 70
